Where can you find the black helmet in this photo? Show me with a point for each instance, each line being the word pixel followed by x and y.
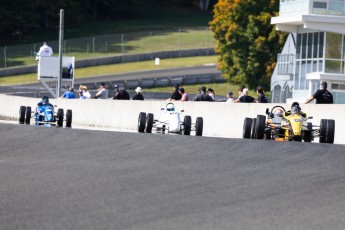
pixel 295 104
pixel 45 100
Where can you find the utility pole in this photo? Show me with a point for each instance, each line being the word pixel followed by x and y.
pixel 58 91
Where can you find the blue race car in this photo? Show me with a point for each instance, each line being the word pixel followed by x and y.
pixel 45 115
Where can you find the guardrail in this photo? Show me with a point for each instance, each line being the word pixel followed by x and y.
pixel 221 119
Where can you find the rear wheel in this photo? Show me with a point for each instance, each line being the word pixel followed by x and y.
pixel 330 131
pixel 252 132
pixel 59 117
pixel 187 125
pixel 69 118
pixel 260 127
pixel 22 114
pixel 247 125
pixel 323 130
pixel 149 123
pixel 199 123
pixel 28 115
pixel 308 132
pixel 141 122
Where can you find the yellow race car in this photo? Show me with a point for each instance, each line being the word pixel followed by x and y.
pixel 292 125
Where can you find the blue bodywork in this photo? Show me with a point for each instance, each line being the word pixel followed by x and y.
pixel 45 114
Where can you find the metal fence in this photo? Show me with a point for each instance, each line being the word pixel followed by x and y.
pixel 113 45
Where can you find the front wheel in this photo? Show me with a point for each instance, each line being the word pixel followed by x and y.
pixel 149 122
pixel 141 122
pixel 22 114
pixel 330 131
pixel 187 125
pixel 69 118
pixel 247 124
pixel 28 115
pixel 199 126
pixel 59 117
pixel 260 127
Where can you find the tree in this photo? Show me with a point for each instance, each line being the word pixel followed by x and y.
pixel 246 41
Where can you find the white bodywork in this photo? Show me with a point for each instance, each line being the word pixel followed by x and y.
pixel 171 120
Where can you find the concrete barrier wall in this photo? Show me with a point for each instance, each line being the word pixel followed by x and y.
pixel 221 119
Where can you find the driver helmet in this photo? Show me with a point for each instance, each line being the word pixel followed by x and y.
pixel 45 100
pixel 295 110
pixel 278 112
pixel 170 107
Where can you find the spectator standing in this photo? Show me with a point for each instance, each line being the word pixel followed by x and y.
pixel 176 96
pixel 230 97
pixel 124 94
pixel 246 98
pixel 120 93
pixel 86 94
pixel 240 94
pixel 80 91
pixel 261 96
pixel 212 94
pixel 184 95
pixel 202 96
pixel 45 51
pixel 102 92
pixel 68 94
pixel 322 95
pixel 138 95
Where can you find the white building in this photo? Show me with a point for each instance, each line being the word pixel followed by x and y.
pixel 314 50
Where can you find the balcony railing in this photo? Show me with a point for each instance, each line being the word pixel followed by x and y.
pixel 301 7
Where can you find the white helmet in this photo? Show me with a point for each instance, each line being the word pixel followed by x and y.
pixel 170 107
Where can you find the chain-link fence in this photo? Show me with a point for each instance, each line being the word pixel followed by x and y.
pixel 112 45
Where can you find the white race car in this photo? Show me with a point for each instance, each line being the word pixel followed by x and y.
pixel 169 122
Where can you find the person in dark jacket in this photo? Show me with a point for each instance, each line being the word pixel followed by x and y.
pixel 246 98
pixel 322 95
pixel 175 96
pixel 120 93
pixel 261 96
pixel 138 95
pixel 203 96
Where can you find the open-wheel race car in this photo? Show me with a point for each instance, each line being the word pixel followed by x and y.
pixel 292 125
pixel 45 115
pixel 169 122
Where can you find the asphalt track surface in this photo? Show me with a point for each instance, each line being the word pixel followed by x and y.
pixel 58 178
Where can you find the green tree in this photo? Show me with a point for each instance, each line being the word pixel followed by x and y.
pixel 246 41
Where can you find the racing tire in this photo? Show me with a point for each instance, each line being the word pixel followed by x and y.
pixel 69 118
pixel 22 114
pixel 141 122
pixel 252 129
pixel 199 124
pixel 28 115
pixel 330 131
pixel 308 137
pixel 323 131
pixel 187 125
pixel 59 117
pixel 260 127
pixel 247 125
pixel 149 123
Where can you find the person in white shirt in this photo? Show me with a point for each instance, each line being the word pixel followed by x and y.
pixel 230 97
pixel 86 94
pixel 45 51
